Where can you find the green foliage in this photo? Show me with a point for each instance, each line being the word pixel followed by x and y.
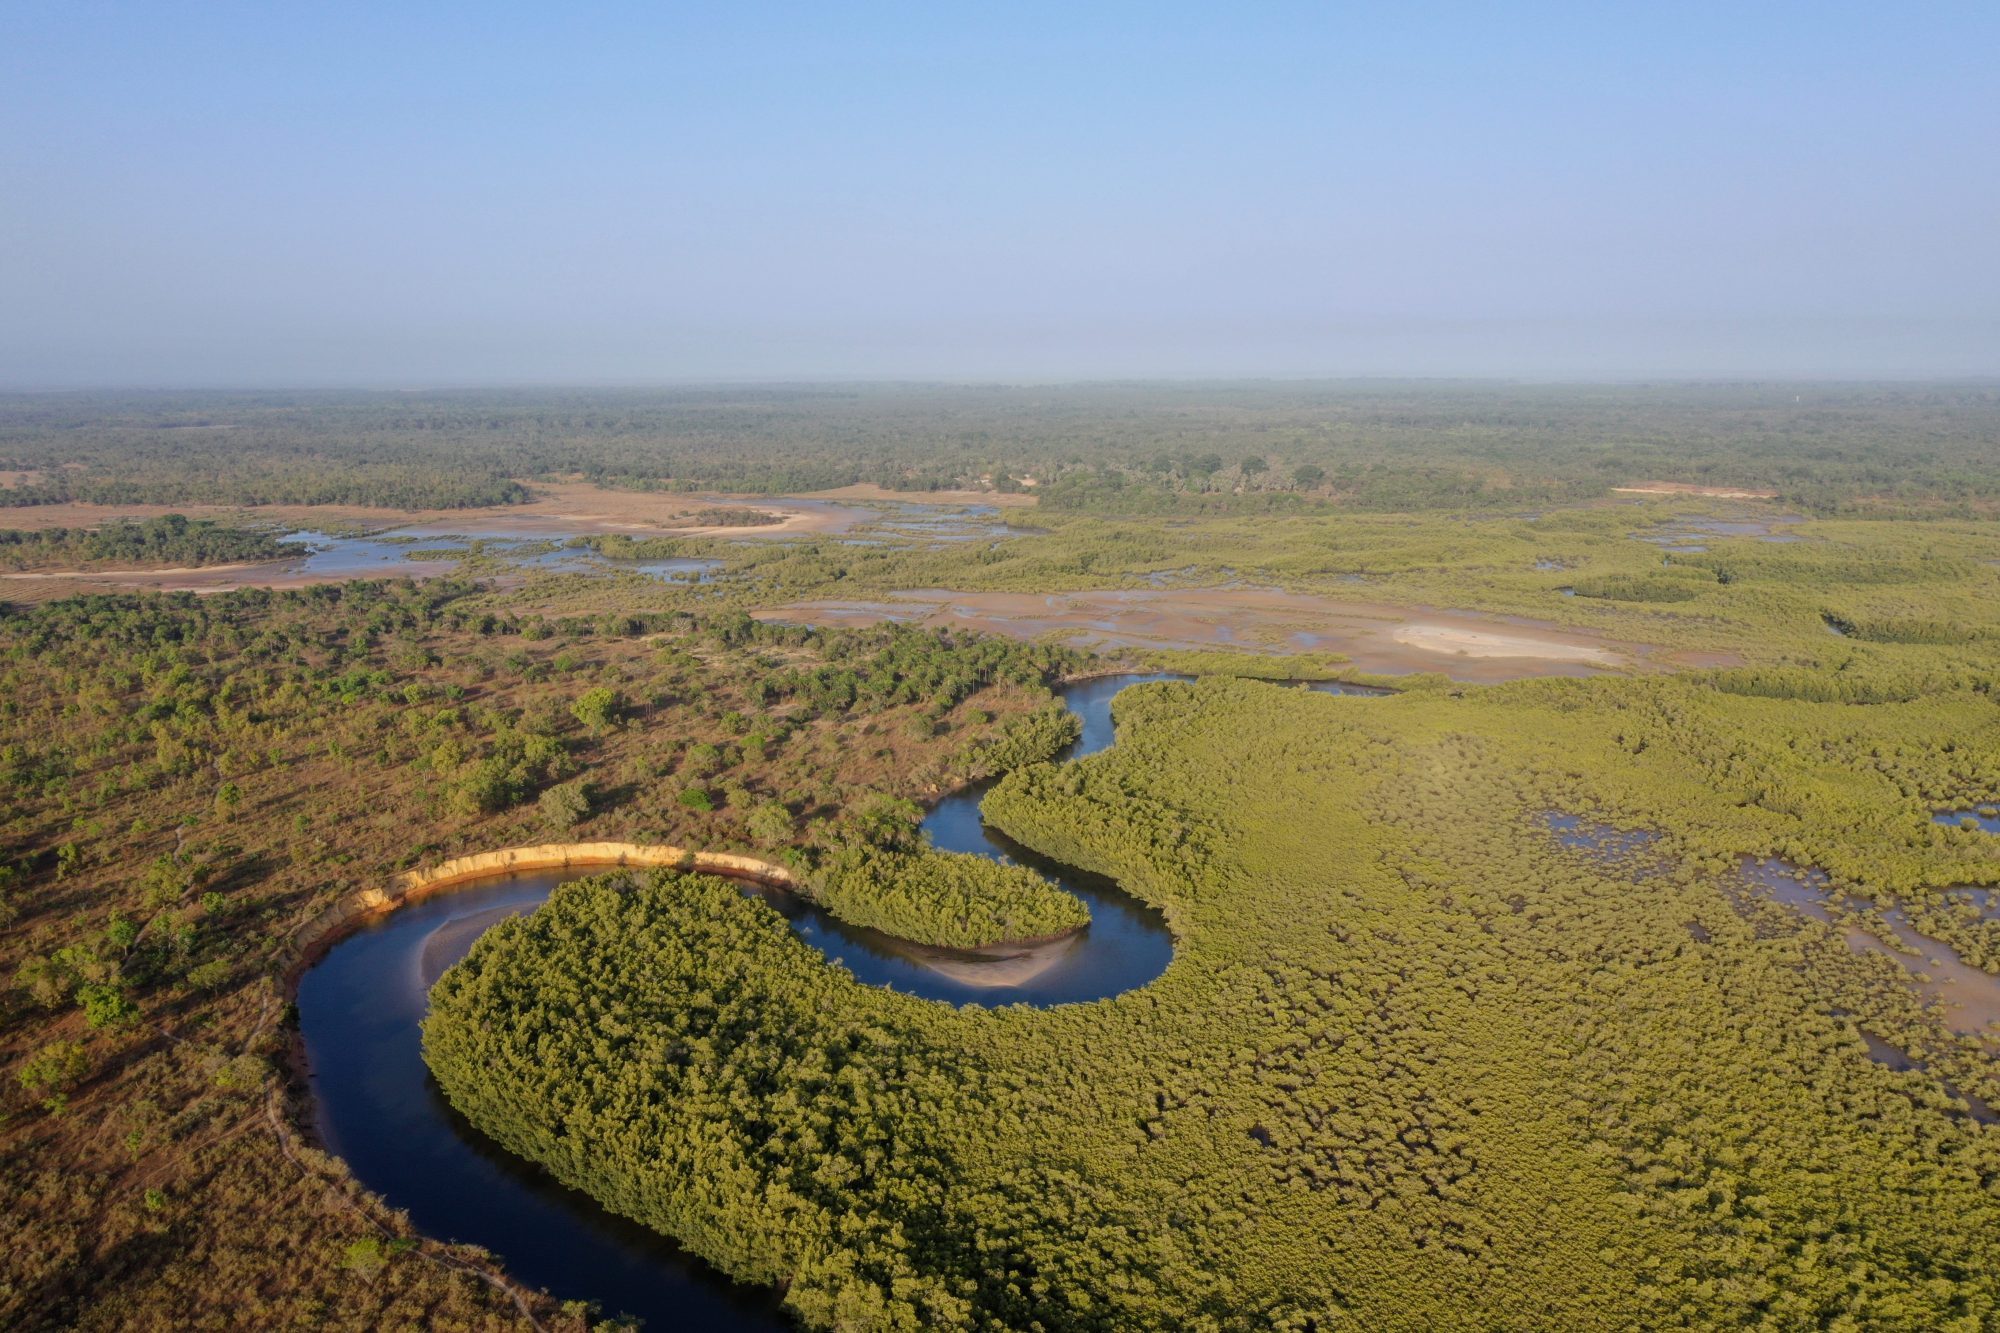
pixel 517 765
pixel 1652 588
pixel 945 898
pixel 106 1005
pixel 1405 1025
pixel 565 805
pixel 770 824
pixel 599 709
pixel 373 727
pixel 1027 739
pixel 56 1068
pixel 170 540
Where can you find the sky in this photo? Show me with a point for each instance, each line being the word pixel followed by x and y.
pixel 209 194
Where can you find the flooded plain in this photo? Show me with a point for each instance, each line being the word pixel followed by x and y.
pixel 1985 818
pixel 1967 997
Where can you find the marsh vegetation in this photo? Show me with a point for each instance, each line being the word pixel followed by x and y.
pixel 1446 963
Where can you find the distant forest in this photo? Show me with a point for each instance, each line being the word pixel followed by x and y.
pixel 1112 448
pixel 170 539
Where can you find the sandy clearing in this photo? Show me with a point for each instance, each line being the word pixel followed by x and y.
pixel 1373 636
pixel 161 573
pixel 1485 643
pixel 1687 488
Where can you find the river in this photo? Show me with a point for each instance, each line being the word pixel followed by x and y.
pixel 376 1106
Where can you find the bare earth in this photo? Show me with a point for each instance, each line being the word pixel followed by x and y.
pixel 1685 488
pixel 559 510
pixel 50 586
pixel 1374 637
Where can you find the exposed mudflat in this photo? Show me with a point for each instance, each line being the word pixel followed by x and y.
pixel 1375 637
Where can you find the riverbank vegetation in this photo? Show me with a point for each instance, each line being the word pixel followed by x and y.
pixel 1446 1025
pixel 188 782
pixel 948 899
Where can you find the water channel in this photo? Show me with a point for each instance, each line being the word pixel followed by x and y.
pixel 376 1106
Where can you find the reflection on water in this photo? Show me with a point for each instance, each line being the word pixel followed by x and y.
pixel 377 1107
pixel 913 522
pixel 429 551
pixel 1969 995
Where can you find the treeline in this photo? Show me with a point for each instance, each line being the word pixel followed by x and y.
pixel 1893 450
pixel 170 540
pixel 950 899
pixel 189 474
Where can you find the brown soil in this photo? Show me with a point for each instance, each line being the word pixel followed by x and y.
pixel 1374 637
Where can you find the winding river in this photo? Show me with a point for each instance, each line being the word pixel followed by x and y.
pixel 376 1106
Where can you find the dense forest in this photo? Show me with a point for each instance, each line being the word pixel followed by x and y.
pixel 1123 448
pixel 1473 1073
pixel 946 899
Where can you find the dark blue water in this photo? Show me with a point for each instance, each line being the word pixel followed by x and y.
pixel 377 1107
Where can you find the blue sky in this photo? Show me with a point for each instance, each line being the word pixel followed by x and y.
pixel 219 194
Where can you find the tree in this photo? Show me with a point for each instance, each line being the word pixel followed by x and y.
pixel 566 804
pixel 599 709
pixel 106 1005
pixel 1254 464
pixel 1308 475
pixel 770 824
pixel 55 1068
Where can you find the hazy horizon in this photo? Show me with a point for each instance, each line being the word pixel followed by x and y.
pixel 238 198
